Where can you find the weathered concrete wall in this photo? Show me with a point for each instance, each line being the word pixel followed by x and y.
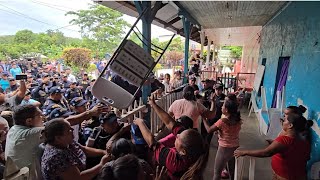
pixel 296 33
pixel 249 60
pixel 250 54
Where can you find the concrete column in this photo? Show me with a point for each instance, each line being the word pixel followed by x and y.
pixel 186 28
pixel 208 53
pixel 202 39
pixel 212 60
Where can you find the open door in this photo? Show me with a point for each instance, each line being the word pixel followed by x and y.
pixel 281 79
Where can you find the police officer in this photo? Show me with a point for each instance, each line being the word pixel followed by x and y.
pixel 84 83
pixel 65 83
pixel 206 92
pixel 79 105
pixel 55 98
pixel 88 92
pixel 40 93
pixel 13 86
pixel 56 81
pixel 34 69
pixel 31 84
pixel 218 97
pixel 73 92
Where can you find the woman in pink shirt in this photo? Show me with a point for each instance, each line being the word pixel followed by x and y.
pixel 188 106
pixel 228 129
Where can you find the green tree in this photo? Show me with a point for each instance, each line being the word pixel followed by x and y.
pixel 176 45
pixel 24 36
pixel 133 37
pixel 236 51
pixel 101 25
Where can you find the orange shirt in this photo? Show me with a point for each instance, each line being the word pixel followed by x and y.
pixel 228 134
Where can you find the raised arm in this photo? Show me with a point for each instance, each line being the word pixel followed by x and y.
pixel 125 129
pixel 211 113
pixel 93 152
pixel 164 116
pixel 22 89
pixel 210 129
pixel 95 111
pixel 146 133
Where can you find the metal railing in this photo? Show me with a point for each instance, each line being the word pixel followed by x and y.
pixel 165 101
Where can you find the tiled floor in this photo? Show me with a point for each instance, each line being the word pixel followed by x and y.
pixel 249 139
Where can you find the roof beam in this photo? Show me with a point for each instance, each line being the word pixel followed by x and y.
pixel 186 14
pixel 173 21
pixel 170 26
pixel 157 6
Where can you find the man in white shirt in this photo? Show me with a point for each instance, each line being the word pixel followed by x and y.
pixel 71 77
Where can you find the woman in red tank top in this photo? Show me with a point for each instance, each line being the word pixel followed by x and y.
pixel 290 151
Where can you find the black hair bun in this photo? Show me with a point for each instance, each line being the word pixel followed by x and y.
pixel 309 123
pixel 302 109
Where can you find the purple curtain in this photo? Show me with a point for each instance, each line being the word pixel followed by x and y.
pixel 282 79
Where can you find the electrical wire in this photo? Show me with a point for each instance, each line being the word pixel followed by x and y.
pixel 28 17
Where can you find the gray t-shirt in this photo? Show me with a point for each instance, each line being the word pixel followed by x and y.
pixel 22 145
pixel 10 103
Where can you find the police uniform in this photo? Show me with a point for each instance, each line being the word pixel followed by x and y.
pixel 49 102
pixel 85 84
pixel 40 93
pixel 72 93
pixel 88 93
pixel 65 84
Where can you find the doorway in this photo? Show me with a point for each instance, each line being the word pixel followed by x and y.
pixel 281 78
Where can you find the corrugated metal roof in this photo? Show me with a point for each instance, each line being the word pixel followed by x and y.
pixel 213 16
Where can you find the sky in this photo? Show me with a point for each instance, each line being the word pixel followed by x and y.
pixel 41 15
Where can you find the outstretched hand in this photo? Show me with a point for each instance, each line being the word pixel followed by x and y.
pixel 138 121
pixel 152 101
pixel 238 153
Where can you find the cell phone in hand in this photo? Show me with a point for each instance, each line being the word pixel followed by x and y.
pixel 21 77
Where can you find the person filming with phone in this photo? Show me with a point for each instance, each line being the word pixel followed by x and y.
pixel 8 103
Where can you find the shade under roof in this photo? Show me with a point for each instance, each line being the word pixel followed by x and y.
pixel 223 21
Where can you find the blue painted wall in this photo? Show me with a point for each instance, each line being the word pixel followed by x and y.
pixel 296 33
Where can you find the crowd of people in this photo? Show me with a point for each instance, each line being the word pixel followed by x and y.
pixel 51 123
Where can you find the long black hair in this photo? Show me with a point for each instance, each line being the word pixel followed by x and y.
pixel 297 109
pixel 197 151
pixel 54 128
pixel 231 105
pixel 121 147
pixel 124 168
pixel 300 123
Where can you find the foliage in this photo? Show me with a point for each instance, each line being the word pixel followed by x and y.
pixel 102 27
pixel 79 57
pixel 176 45
pixel 50 44
pixel 92 67
pixel 24 37
pixel 236 51
pixel 174 56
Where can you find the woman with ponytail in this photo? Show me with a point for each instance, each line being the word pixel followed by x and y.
pixel 289 151
pixel 228 128
pixel 298 110
pixel 188 106
pixel 188 157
